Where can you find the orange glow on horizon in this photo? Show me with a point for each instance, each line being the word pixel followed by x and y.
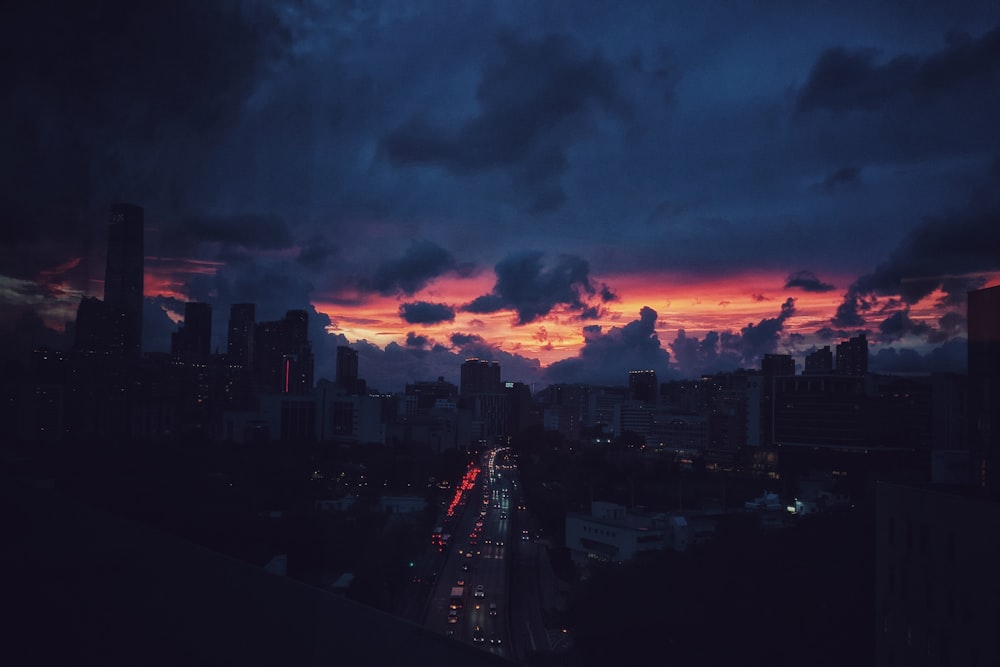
pixel 697 306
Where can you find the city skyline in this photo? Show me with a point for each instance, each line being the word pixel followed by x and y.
pixel 575 190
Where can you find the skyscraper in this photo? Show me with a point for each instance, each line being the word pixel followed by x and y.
pixel 984 388
pixel 643 387
pixel 123 278
pixel 347 369
pixel 819 362
pixel 283 357
pixel 240 349
pixel 192 343
pixel 479 377
pixel 852 356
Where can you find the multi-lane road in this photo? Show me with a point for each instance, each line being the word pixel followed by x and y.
pixel 476 558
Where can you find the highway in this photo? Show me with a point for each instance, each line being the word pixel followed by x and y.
pixel 477 556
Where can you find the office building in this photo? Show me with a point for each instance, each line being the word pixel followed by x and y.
pixel 819 362
pixel 283 357
pixel 240 344
pixel 192 342
pixel 984 388
pixel 347 369
pixel 937 584
pixel 643 387
pixel 852 356
pixel 479 377
pixel 123 278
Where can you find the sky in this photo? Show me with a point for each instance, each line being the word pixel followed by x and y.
pixel 574 189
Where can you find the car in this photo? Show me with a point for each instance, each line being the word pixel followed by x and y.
pixel 495 638
pixel 487 541
pixel 453 616
pixel 493 609
pixel 460 582
pixel 503 515
pixel 477 635
pixel 499 543
pixel 480 591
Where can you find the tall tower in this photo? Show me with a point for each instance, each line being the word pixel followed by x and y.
pixel 240 348
pixel 123 278
pixel 984 388
pixel 642 386
pixel 479 377
pixel 852 357
pixel 347 368
pixel 192 343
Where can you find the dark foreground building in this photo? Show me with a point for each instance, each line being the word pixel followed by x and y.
pixel 82 587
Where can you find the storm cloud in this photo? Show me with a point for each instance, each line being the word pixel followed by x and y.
pixel 808 282
pixel 530 288
pixel 422 262
pixel 536 99
pixel 422 312
pixel 607 357
pixel 846 79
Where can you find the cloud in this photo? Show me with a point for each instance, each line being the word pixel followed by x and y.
pixel 525 285
pixel 415 341
pixel 104 91
pixel 314 252
pixel 807 282
pixel 422 262
pixel 422 312
pixel 728 350
pixel 899 325
pixel 950 357
pixel 248 230
pixel 536 99
pixel 606 358
pixel 843 80
pixel 948 252
pixel 843 177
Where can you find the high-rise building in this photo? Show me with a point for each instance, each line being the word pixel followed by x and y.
pixel 479 377
pixel 192 343
pixel 984 388
pixel 819 362
pixel 347 369
pixel 642 386
pixel 481 391
pixel 852 356
pixel 283 357
pixel 123 278
pixel 773 365
pixel 240 344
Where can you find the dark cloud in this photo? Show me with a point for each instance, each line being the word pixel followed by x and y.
pixel 422 312
pixel 536 100
pixel 950 357
pixel 421 263
pixel 899 324
pixel 247 231
pixel 946 252
pixel 762 338
pixel 807 282
pixel 462 340
pixel 845 176
pixel 416 341
pixel 606 358
pixel 103 91
pixel 843 80
pixel 526 286
pixel 315 252
pixel 728 350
